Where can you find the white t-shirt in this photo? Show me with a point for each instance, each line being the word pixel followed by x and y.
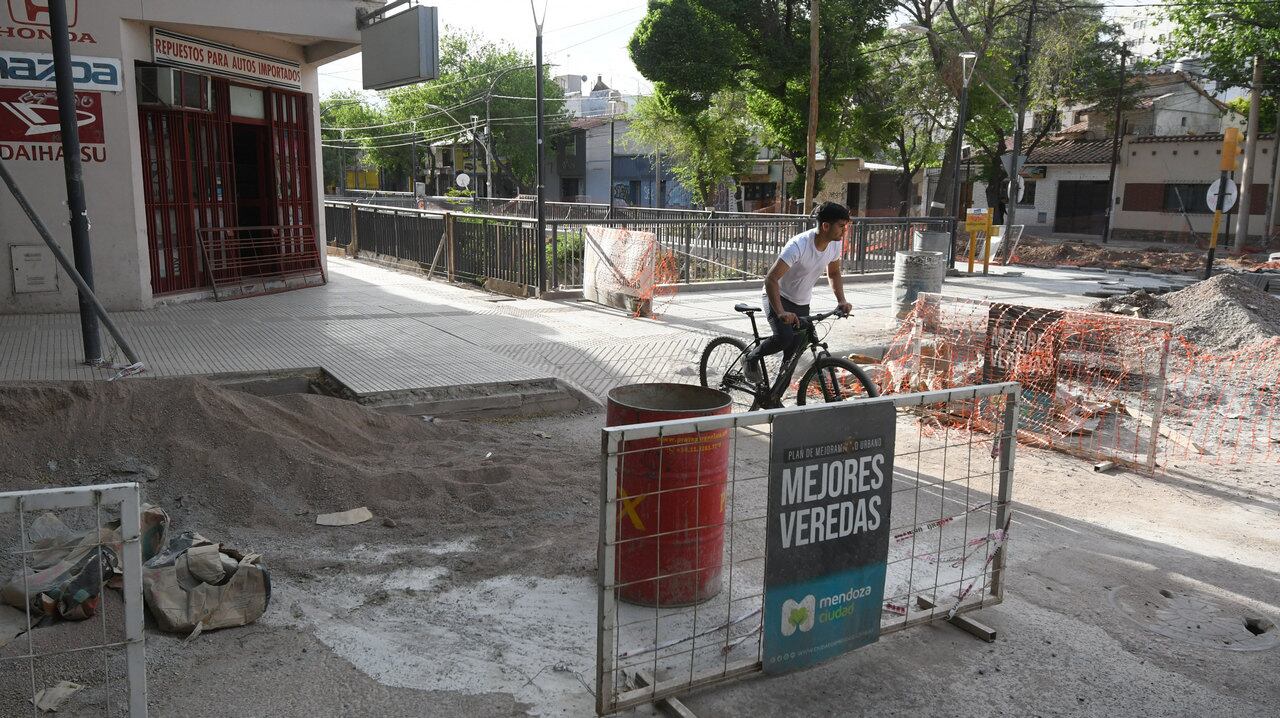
pixel 806 264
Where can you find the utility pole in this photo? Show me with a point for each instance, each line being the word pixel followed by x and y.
pixel 542 209
pixel 413 179
pixel 811 144
pixel 1015 171
pixel 70 131
pixel 966 73
pixel 1250 147
pixel 475 153
pixel 1115 149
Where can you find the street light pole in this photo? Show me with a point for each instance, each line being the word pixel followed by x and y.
pixel 1115 149
pixel 966 72
pixel 70 130
pixel 542 209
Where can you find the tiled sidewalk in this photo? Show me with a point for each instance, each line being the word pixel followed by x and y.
pixel 379 330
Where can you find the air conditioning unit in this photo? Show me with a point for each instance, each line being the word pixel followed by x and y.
pixel 174 88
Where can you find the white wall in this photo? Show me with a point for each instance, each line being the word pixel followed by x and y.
pixel 1046 200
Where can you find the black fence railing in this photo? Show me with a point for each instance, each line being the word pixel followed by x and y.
pixel 474 247
pixel 741 248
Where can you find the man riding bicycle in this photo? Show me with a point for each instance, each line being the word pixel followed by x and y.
pixel 789 285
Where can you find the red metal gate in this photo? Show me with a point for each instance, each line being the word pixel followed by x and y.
pixel 190 189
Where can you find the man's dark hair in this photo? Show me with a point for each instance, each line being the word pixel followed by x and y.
pixel 832 212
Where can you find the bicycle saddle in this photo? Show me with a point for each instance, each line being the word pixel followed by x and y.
pixel 745 308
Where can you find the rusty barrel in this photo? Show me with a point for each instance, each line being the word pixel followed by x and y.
pixel 671 496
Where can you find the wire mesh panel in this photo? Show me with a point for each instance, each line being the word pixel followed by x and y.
pixel 72 636
pixel 1093 384
pixel 684 519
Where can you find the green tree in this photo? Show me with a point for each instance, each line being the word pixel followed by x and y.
pixel 695 49
pixel 703 147
pixel 1072 59
pixel 1224 38
pixel 896 118
pixel 345 149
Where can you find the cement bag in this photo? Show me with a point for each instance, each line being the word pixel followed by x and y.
pixel 67 569
pixel 197 584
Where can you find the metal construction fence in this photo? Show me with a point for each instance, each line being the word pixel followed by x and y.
pixel 105 657
pixel 702 248
pixel 1093 384
pixel 949 515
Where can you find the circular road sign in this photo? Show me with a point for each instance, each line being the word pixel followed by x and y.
pixel 1229 200
pixel 463 180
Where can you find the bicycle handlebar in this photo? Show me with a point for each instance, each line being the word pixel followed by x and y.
pixel 815 318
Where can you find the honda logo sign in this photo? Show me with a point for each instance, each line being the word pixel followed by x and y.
pixel 36 12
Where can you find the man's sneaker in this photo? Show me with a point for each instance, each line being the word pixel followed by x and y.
pixel 751 370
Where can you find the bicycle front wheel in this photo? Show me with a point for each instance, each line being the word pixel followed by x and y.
pixel 721 368
pixel 834 379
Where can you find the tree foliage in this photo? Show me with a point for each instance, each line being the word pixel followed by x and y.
pixel 1224 38
pixel 1072 59
pixel 702 147
pixel 695 49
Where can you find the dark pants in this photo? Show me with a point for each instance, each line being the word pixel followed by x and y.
pixel 785 338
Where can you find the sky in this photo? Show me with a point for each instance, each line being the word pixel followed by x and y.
pixel 586 37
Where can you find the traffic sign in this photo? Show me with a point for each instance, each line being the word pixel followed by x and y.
pixel 1228 202
pixel 463 180
pixel 978 220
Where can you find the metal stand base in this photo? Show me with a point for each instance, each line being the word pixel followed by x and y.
pixel 669 706
pixel 964 623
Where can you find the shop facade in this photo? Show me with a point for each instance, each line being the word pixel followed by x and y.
pixel 200 146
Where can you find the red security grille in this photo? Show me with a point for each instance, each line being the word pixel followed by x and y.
pixel 251 261
pixel 191 188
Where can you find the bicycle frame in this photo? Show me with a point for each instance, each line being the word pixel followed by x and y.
pixel 771 397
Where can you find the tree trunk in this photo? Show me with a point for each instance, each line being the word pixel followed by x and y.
pixel 942 193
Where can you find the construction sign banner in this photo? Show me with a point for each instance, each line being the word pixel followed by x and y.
pixel 830 487
pixel 978 220
pixel 193 53
pixel 29 128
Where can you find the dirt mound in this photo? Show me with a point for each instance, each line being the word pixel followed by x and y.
pixel 224 459
pixel 1220 314
pixel 1140 304
pixel 1039 253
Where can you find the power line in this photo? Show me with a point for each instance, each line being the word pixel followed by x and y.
pixel 594 19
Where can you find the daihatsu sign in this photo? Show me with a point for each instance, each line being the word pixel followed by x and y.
pixel 170 48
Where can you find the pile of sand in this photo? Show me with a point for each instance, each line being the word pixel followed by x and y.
pixel 240 467
pixel 1220 314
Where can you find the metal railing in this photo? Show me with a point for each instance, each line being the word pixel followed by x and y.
pixel 104 551
pixel 948 513
pixel 738 248
pixel 703 248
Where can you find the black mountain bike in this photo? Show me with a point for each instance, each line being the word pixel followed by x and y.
pixel 827 379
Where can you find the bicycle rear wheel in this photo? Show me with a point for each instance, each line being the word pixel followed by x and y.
pixel 834 379
pixel 721 368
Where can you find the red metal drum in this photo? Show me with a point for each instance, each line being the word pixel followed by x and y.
pixel 673 490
